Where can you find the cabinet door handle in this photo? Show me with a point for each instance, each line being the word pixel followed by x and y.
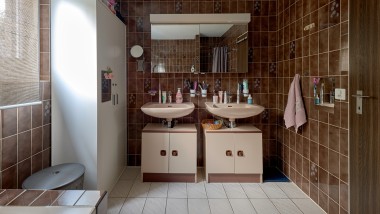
pixel 228 153
pixel 117 99
pixel 174 153
pixel 113 99
pixel 240 153
pixel 163 152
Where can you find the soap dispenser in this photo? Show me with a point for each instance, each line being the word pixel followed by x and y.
pixel 250 100
pixel 178 97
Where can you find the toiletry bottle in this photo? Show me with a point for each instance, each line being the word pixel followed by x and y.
pixel 250 100
pixel 238 94
pixel 178 96
pixel 220 96
pixel 316 101
pixel 215 98
pixel 225 97
pixel 169 97
pixel 322 91
pixel 159 93
pixel 245 88
pixel 163 97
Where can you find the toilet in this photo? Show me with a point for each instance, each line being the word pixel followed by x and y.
pixel 67 176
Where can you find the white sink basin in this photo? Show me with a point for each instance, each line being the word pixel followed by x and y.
pixel 168 110
pixel 234 111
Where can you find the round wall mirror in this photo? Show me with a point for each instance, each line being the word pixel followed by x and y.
pixel 137 51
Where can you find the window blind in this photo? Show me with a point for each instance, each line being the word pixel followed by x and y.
pixel 19 52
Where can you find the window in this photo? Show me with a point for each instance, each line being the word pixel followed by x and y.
pixel 19 52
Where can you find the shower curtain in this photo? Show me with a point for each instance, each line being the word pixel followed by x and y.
pixel 219 60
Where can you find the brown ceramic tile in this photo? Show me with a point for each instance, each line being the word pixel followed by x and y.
pixel 36 115
pixel 24 145
pixel 37 162
pixel 24 171
pixel 8 195
pixel 344 168
pixel 323 41
pixel 9 152
pixel 9 178
pixel 47 198
pixel 343 142
pixel 343 199
pixel 45 66
pixel 323 157
pixel 9 122
pixel 46 158
pixel 26 198
pixel 323 181
pixel 44 16
pixel 333 160
pixel 36 140
pixel 333 207
pixel 24 118
pixel 45 40
pixel 333 188
pixel 46 130
pixel 46 112
pixel 334 138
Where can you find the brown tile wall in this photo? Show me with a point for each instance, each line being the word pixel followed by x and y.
pixel 262 69
pixel 315 158
pixel 25 131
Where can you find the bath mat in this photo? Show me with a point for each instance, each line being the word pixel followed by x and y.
pixel 272 174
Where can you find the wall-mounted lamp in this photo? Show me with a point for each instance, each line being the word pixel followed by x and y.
pixel 136 52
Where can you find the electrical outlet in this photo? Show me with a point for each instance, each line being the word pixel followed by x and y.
pixel 340 94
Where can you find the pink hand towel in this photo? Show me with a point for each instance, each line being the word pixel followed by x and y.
pixel 295 114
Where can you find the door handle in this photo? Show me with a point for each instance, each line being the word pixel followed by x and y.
pixel 117 99
pixel 163 152
pixel 174 153
pixel 359 101
pixel 113 99
pixel 240 153
pixel 228 153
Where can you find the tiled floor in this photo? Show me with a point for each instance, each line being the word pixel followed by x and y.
pixel 131 196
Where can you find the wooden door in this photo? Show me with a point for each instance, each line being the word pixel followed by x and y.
pixel 183 153
pixel 364 128
pixel 155 152
pixel 248 153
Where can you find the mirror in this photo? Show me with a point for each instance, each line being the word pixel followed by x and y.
pixel 190 44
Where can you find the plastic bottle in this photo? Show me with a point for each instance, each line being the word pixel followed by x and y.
pixel 178 96
pixel 250 100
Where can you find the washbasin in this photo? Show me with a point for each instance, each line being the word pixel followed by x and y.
pixel 234 111
pixel 167 110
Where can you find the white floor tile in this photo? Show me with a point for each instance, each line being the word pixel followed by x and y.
pixel 220 206
pixel 272 190
pixel 215 190
pixel 242 206
pixel 177 190
pixel 121 189
pixel 308 206
pixel 198 206
pixel 158 190
pixel 114 205
pixel 133 206
pixel 176 206
pixel 291 190
pixel 234 190
pixel 155 206
pixel 196 190
pixel 253 190
pixel 264 206
pixel 286 206
pixel 139 190
pixel 130 173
